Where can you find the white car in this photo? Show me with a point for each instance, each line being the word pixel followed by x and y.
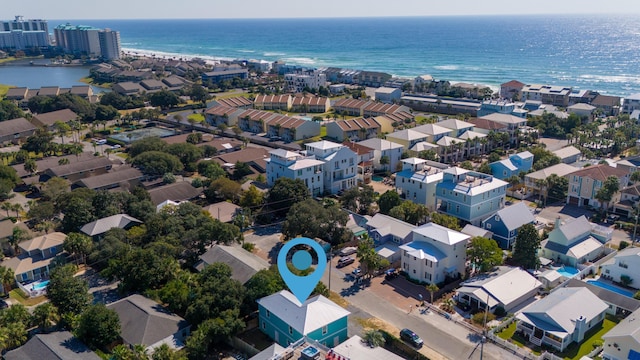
pixel 348 251
pixel 116 146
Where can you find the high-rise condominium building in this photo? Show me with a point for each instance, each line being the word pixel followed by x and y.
pixel 88 40
pixel 21 34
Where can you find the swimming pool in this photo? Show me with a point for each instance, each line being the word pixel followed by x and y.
pixel 567 271
pixel 40 285
pixel 610 287
pixel 133 135
pixel 377 178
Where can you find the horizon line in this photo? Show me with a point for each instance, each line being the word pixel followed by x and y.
pixel 362 17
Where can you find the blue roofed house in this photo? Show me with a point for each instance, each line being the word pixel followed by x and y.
pixel 285 320
pixel 388 233
pixel 562 317
pixel 505 223
pixel 470 196
pixel 575 242
pixel 418 179
pixel 436 253
pixel 514 165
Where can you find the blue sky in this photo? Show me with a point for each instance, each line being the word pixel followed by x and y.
pixel 161 9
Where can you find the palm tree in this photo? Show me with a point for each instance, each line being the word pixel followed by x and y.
pixel 6 206
pixel 18 235
pixel 448 305
pixel 17 208
pixel 62 129
pixel 374 338
pixel 45 316
pixel 432 288
pixel 139 352
pixel 17 334
pixel 7 277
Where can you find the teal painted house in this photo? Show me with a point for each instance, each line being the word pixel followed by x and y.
pixel 285 320
pixel 470 196
pixel 514 165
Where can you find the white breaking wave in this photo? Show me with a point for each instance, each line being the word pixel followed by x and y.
pixel 164 54
pixel 447 67
pixel 300 60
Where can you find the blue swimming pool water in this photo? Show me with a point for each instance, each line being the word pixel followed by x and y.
pixel 133 135
pixel 40 285
pixel 568 271
pixel 377 178
pixel 610 287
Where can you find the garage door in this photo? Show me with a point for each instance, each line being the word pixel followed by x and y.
pixel 573 200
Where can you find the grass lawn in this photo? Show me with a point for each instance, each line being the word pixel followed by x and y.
pixel 323 131
pixel 196 117
pixel 17 295
pixel 4 88
pixel 508 332
pixel 338 299
pixel 575 351
pixel 8 59
pixel 231 95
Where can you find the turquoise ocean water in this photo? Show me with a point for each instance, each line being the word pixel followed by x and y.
pixel 585 51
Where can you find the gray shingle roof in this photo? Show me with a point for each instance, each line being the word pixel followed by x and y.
pixel 78 167
pixel 15 126
pixel 243 263
pixel 516 215
pixel 111 178
pixel 103 225
pixel 144 321
pixel 610 297
pixel 179 191
pixel 57 345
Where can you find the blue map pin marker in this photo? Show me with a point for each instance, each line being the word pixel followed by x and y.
pixel 301 286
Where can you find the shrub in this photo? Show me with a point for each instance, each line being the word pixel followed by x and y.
pixel 500 311
pixel 478 318
pixel 248 246
pixel 112 141
pixel 623 245
pixel 637 295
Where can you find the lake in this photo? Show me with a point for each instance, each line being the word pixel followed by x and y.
pixel 35 77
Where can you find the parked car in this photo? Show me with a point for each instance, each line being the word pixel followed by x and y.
pixel 345 261
pixel 391 274
pixel 349 250
pixel 357 272
pixel 411 338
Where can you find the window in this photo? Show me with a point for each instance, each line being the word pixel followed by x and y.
pixel 325 330
pixel 414 271
pixel 268 314
pixel 264 325
pixel 488 226
pixel 457 209
pixel 290 330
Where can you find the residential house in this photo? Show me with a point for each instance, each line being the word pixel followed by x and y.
pixel 386 154
pixel 308 103
pixel 388 233
pixel 355 348
pixel 48 120
pixel 304 81
pixel 505 287
pixel 435 132
pixel 532 180
pixel 609 105
pixel 36 259
pixel 124 177
pixel 474 143
pixel 629 198
pixel 365 161
pixel 619 304
pixel 15 130
pixel 435 254
pixel 371 78
pixel 582 110
pixel 44 164
pixel 513 166
pixel 441 105
pixel 358 129
pixel 547 94
pixel 418 179
pixel 286 320
pixel 6 230
pixel 225 74
pixel 145 322
pixel 351 107
pixel 451 149
pixel 457 127
pixel 291 129
pixel 474 231
pixel 293 165
pixel 55 345
pixel 568 154
pixel 424 146
pixel 50 91
pixel 98 227
pixel 585 183
pixel 340 165
pixel 79 170
pixel 273 102
pixel 256 158
pixel 575 242
pixel 631 103
pixel 179 191
pixel 623 341
pixel 243 263
pixel 505 223
pixel 388 95
pixel 153 85
pixel 128 88
pixel 387 121
pixel 239 102
pixel 629 164
pixel 408 138
pixel 502 107
pixel 254 121
pixel 223 211
pixel 562 317
pixel 513 124
pixel 625 263
pixel 373 109
pixel 486 126
pixel 470 196
pixel 223 114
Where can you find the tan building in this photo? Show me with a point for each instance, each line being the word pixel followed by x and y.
pixel 585 183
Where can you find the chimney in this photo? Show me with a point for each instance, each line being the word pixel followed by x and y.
pixel 558 222
pixel 581 328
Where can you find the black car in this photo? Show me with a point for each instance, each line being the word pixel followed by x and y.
pixel 411 338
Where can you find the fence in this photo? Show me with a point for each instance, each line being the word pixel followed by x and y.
pixel 243 346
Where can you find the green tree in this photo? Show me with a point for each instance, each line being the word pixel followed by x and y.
pixel 374 338
pixel 147 144
pixel 286 192
pixel 79 245
pixel 62 129
pixel 211 169
pixel 263 283
pixel 241 169
pixel 410 212
pixel 40 142
pixel 188 154
pixel 484 253
pixel 165 99
pixel 7 278
pixel 445 220
pixel 98 326
pixel 525 250
pixel 251 198
pixel 369 260
pixel 388 201
pixel 68 293
pixel 194 138
pixel 45 316
pixel 18 235
pixel 78 212
pixel 358 199
pixel 157 163
pixel 432 289
pixel 223 189
pixel 384 161
pixel 164 352
pixel 609 188
pixel 30 166
pixel 311 219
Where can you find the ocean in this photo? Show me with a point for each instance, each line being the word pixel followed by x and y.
pixel 595 52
